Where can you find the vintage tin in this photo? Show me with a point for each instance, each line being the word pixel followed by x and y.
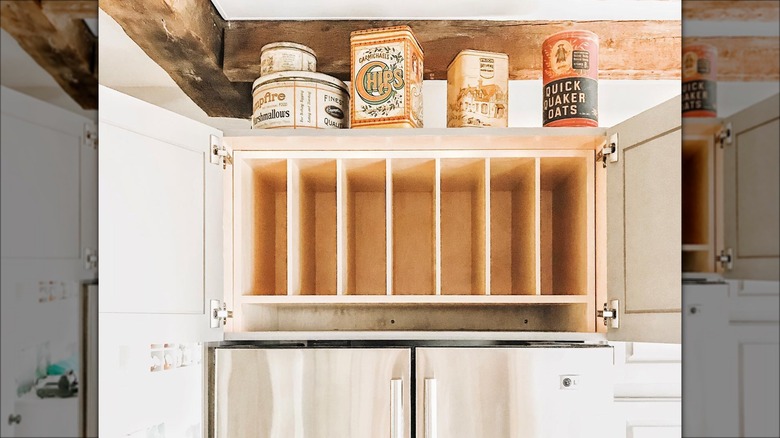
pixel 477 89
pixel 284 56
pixel 387 77
pixel 699 81
pixel 570 69
pixel 299 100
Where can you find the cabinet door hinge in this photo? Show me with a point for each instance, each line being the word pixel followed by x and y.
pixel 725 259
pixel 609 151
pixel 610 313
pixel 724 135
pixel 219 314
pixel 219 154
pixel 90 259
pixel 89 136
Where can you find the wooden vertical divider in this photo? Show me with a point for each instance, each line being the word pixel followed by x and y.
pixel 537 224
pixel 293 228
pixel 437 227
pixel 486 214
pixel 341 227
pixel 389 224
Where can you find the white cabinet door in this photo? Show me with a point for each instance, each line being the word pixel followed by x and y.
pixel 751 189
pixel 643 227
pixel 514 392
pixel 160 234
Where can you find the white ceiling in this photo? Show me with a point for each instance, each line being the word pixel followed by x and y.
pixel 452 9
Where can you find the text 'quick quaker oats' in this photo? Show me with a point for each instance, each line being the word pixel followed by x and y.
pixel 570 70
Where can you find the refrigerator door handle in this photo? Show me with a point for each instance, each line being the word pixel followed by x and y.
pixel 431 420
pixel 396 408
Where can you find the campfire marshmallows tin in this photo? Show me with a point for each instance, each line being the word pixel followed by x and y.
pixel 570 67
pixel 299 99
pixel 387 77
pixel 283 56
pixel 699 76
pixel 477 89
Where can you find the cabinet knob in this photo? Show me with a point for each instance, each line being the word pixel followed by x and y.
pixel 14 419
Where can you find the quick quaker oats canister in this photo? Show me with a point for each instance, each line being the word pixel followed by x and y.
pixel 387 78
pixel 299 99
pixel 699 81
pixel 570 68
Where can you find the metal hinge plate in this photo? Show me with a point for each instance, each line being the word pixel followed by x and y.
pixel 725 258
pixel 610 151
pixel 219 313
pixel 725 135
pixel 219 154
pixel 89 136
pixel 90 259
pixel 610 314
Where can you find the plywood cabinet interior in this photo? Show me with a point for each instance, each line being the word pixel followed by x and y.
pixel 702 214
pixel 415 220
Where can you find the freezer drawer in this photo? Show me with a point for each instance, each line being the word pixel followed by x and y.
pixel 312 393
pixel 513 392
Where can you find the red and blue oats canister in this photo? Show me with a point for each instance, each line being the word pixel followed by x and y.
pixel 570 69
pixel 699 80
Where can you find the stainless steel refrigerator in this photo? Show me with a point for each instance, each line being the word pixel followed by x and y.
pixel 414 391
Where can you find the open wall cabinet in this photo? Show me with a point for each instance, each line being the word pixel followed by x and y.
pixel 526 229
pixel 521 234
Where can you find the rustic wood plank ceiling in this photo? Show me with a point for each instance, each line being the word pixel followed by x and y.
pixel 215 61
pixel 730 10
pixel 628 49
pixel 744 58
pixel 57 38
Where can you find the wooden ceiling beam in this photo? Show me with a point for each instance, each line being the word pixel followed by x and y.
pixel 745 59
pixel 628 49
pixel 69 9
pixel 65 49
pixel 184 37
pixel 730 10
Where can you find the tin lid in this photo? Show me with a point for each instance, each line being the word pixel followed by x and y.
pixel 306 76
pixel 366 34
pixel 286 44
pixel 467 52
